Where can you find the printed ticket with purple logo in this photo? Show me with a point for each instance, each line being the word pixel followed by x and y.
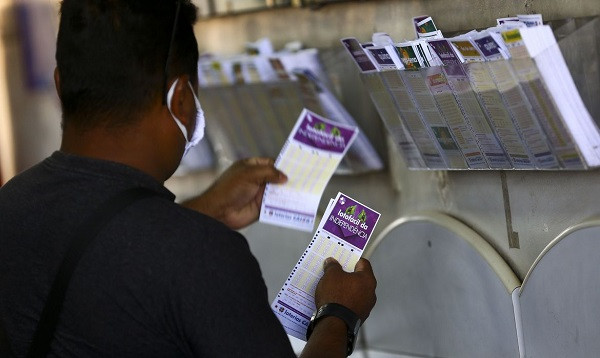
pixel 309 158
pixel 343 233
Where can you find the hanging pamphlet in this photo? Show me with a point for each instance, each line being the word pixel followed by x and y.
pixel 501 98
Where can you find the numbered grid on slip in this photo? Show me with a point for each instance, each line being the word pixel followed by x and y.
pixel 307 169
pixel 310 267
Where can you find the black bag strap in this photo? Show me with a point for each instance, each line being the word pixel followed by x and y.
pixel 83 237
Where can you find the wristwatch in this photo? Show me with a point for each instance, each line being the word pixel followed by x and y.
pixel 353 322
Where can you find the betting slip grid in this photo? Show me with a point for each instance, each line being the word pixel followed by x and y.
pixel 308 172
pixel 302 282
pixel 322 246
pixel 308 167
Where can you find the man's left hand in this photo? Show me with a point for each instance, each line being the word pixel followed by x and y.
pixel 236 196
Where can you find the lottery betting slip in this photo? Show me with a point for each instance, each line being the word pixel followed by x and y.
pixel 309 158
pixel 343 233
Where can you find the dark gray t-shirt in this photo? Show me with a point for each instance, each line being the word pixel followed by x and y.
pixel 159 280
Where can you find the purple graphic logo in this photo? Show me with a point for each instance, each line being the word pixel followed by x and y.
pixel 360 57
pixel 488 46
pixel 381 56
pixel 320 134
pixel 351 221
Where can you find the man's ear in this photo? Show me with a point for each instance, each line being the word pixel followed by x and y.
pixel 182 102
pixel 57 81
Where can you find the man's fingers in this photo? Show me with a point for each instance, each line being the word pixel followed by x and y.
pixel 363 265
pixel 260 161
pixel 331 263
pixel 262 170
pixel 266 173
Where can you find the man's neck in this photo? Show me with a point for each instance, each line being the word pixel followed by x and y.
pixel 129 145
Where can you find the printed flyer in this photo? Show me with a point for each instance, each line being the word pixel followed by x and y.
pixel 425 27
pixel 383 58
pixel 309 158
pixel 467 101
pixel 457 123
pixel 361 156
pixel 408 56
pixel 358 54
pixel 489 48
pixel 343 233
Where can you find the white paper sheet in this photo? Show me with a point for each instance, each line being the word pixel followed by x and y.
pixel 309 158
pixel 343 233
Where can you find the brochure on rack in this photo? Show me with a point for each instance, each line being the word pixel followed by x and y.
pixel 501 98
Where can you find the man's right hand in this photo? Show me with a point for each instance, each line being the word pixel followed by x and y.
pixel 354 290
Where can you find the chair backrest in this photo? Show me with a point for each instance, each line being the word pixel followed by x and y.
pixel 560 295
pixel 443 292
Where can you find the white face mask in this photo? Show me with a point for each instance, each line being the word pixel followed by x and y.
pixel 200 123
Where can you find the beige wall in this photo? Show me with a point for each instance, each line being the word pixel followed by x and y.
pixel 324 27
pixel 29 117
pixel 7 165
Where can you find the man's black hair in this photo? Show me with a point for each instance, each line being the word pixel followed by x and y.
pixel 111 57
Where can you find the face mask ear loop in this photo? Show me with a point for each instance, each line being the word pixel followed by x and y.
pixel 177 121
pixel 196 100
pixel 198 133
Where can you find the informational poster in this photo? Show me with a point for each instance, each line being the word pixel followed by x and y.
pixel 359 55
pixel 343 233
pixel 309 158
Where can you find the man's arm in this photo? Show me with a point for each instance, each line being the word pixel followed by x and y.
pixel 235 197
pixel 355 291
pixel 235 200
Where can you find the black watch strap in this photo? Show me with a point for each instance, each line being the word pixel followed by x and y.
pixel 353 322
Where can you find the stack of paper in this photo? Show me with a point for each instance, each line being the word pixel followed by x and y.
pixel 467 101
pixel 496 99
pixel 343 233
pixel 543 49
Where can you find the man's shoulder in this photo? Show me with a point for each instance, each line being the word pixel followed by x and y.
pixel 163 212
pixel 27 178
pixel 165 220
